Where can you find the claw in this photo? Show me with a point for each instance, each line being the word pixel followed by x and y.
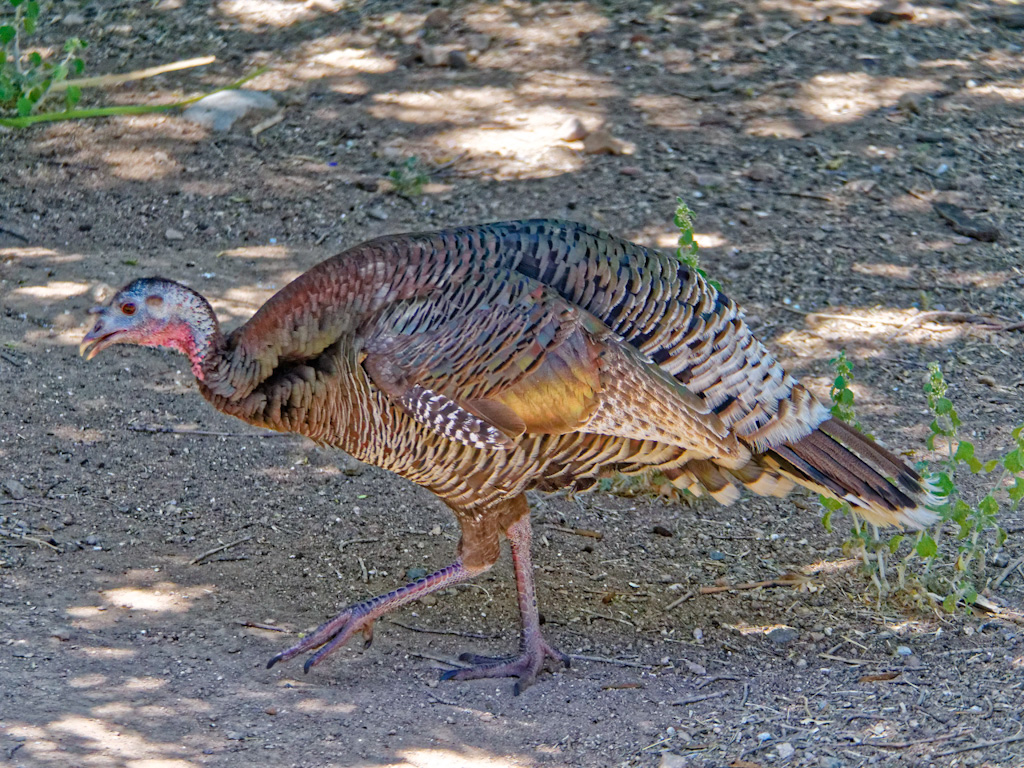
pixel 525 666
pixel 331 635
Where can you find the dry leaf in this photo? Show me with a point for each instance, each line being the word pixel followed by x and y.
pixel 879 678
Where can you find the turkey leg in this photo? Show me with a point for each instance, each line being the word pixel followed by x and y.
pixel 333 634
pixel 534 649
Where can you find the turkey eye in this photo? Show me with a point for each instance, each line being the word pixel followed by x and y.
pixel 128 308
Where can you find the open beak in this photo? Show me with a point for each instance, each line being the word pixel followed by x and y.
pixel 99 338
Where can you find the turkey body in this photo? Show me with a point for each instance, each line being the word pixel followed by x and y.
pixel 481 362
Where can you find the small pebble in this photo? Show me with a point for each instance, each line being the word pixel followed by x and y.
pixel 661 530
pixel 601 142
pixel 433 56
pixel 377 213
pixel 720 84
pixel 458 60
pixel 785 750
pixel 479 42
pixel 698 635
pixel 783 635
pixel 762 172
pixel 437 19
pixel 671 760
pixel 15 489
pixel 174 234
pixel 904 650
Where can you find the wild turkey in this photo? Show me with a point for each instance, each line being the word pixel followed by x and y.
pixel 484 361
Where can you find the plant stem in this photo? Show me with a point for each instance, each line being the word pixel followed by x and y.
pixel 128 109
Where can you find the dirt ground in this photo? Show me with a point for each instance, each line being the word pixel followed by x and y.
pixel 146 576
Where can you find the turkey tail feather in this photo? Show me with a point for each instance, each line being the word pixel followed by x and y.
pixel 844 464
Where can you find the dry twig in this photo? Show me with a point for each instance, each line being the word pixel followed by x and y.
pixel 1014 564
pixel 472 635
pixel 268 627
pixel 127 77
pixel 695 699
pixel 679 601
pixel 615 662
pixel 578 531
pixel 199 558
pixel 794 580
pixel 981 745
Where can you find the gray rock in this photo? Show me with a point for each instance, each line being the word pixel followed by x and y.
pixel 723 83
pixel 479 42
pixel 377 213
pixel 438 18
pixel 174 234
pixel 965 225
pixel 572 130
pixel 433 55
pixel 15 489
pixel 458 60
pixel 219 111
pixel 670 760
pixel 783 635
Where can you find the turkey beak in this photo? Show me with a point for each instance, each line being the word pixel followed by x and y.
pixel 98 338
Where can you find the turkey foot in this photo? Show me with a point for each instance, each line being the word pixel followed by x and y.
pixel 525 666
pixel 331 635
pixel 535 648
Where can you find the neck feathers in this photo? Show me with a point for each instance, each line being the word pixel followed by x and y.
pixel 193 329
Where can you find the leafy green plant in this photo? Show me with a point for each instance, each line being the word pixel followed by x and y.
pixel 26 78
pixel 842 395
pixel 408 178
pixel 949 573
pixel 688 251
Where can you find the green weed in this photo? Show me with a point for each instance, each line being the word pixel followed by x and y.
pixel 408 178
pixel 26 78
pixel 947 573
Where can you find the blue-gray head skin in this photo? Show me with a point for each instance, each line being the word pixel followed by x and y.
pixel 154 312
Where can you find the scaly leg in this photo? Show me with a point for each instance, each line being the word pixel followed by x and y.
pixel 360 617
pixel 533 647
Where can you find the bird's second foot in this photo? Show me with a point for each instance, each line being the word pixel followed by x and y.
pixel 525 666
pixel 331 635
pixel 335 633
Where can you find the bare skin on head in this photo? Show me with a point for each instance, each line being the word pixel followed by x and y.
pixel 482 362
